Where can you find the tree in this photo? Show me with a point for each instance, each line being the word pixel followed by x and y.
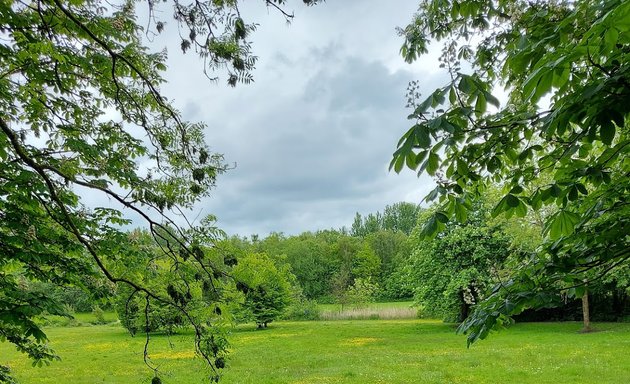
pixel 560 137
pixel 312 262
pixel 82 112
pixel 265 287
pixel 401 217
pixel 453 271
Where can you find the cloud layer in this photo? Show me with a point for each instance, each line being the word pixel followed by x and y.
pixel 313 136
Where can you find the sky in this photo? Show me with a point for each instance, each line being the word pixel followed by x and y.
pixel 311 139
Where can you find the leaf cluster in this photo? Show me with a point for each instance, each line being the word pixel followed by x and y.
pixel 558 139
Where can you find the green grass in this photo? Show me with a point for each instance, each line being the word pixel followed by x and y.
pixel 395 351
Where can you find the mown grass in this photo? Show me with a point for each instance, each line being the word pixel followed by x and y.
pixel 394 351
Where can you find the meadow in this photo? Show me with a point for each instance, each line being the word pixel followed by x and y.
pixel 343 351
pixel 368 311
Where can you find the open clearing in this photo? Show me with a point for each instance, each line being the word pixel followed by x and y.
pixel 360 351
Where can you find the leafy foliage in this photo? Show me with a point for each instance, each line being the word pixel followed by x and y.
pixel 559 139
pixel 453 271
pixel 401 216
pixel 265 287
pixel 82 113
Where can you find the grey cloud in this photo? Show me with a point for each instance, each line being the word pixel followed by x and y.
pixel 318 158
pixel 313 136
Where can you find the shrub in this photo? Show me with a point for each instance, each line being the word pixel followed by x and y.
pixel 302 310
pixel 99 314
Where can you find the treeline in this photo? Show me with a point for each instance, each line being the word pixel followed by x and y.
pixel 329 264
pixel 383 256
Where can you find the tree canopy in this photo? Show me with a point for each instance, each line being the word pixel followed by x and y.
pixel 82 112
pixel 453 271
pixel 558 138
pixel 266 288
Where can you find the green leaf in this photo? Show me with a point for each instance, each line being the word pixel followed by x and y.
pixel 581 188
pixel 607 132
pixel 410 160
pixel 536 201
pixel 452 96
pixel 501 207
pixel 492 100
pixel 461 212
pixel 422 136
pixel 399 163
pixel 531 82
pixel 481 104
pixel 610 38
pixel 430 228
pixel 573 193
pixel 441 217
pixel 424 106
pixel 421 156
pixel 520 210
pixel 433 163
pixel 432 195
pixel 462 168
pixel 562 224
pixel 466 84
pixel 512 201
pixel 493 164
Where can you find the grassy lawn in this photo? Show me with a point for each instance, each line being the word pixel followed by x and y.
pixel 393 351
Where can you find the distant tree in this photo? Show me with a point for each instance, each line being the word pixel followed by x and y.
pixel 312 262
pixel 394 250
pixel 358 229
pixel 401 217
pixel 362 291
pixel 397 217
pixel 560 138
pixel 390 247
pixel 266 288
pixel 363 226
pixel 366 264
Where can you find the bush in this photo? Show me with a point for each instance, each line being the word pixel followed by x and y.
pixel 302 310
pixel 99 314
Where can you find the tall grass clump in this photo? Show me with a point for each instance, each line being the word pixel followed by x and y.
pixel 368 312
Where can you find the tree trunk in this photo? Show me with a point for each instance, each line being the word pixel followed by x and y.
pixel 463 307
pixel 585 312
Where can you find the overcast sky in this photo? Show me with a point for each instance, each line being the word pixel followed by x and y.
pixel 313 136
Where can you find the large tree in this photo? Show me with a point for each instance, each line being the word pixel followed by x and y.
pixel 453 271
pixel 558 137
pixel 82 112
